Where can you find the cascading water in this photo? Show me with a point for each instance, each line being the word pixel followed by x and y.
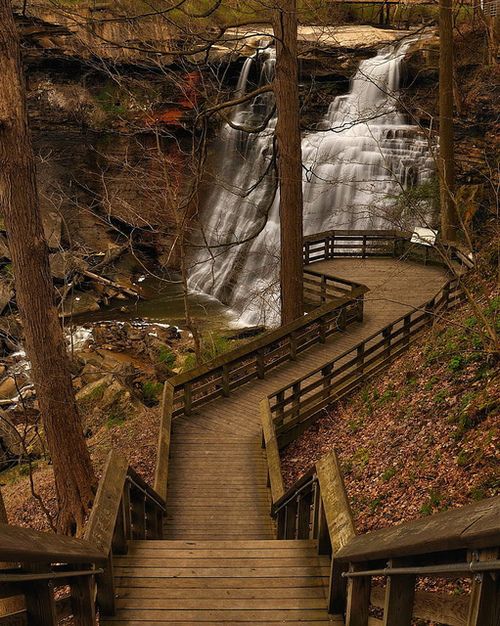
pixel 356 165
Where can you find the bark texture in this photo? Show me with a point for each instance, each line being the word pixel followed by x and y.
pixel 288 140
pixel 43 336
pixel 449 217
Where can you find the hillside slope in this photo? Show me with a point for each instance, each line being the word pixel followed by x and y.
pixel 422 437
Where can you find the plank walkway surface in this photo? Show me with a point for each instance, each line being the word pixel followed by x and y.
pixel 219 563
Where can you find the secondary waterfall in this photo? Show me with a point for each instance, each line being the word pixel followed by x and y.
pixel 356 166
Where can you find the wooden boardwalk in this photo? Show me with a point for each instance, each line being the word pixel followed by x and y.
pixel 218 562
pixel 218 472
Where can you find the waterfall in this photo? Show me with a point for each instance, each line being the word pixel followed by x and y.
pixel 363 155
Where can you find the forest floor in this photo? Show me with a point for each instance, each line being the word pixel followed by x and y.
pixel 136 438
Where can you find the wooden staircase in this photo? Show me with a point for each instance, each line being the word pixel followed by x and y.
pixel 211 543
pixel 221 582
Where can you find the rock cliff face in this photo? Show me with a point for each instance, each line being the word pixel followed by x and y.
pixel 476 117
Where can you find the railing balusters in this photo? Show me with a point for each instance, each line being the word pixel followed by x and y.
pixel 387 334
pixel 295 399
pixel 82 601
pixel 484 606
pixel 399 598
pixel 304 515
pixel 291 520
pixel 188 398
pixel 40 601
pixel 225 380
pixel 327 373
pixel 280 409
pixel 315 510
pixel 358 598
pixel 261 369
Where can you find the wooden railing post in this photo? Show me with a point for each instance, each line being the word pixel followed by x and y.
pixel 360 351
pixel 340 523
pixel 40 601
pixel 360 306
pixel 322 331
pixel 163 450
pixel 291 519
pixel 280 409
pixel 225 380
pixel 138 508
pixel 342 319
pixel 306 253
pixel 272 451
pixel 323 289
pixel 407 330
pixel 304 515
pixel 484 606
pixel 296 400
pixel 152 530
pixel 261 369
pixel 327 374
pixel 82 601
pixel 101 525
pixel 358 598
pixel 293 346
pixel 399 598
pixel 280 524
pixel 387 334
pixel 188 398
pixel 316 503
pixel 106 589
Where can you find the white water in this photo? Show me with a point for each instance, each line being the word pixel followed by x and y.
pixel 357 164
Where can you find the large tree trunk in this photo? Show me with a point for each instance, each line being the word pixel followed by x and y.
pixel 43 336
pixel 289 160
pixel 449 217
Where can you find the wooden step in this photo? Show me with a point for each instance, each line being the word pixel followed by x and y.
pixel 221 582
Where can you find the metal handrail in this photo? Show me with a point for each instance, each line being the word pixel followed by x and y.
pixel 451 568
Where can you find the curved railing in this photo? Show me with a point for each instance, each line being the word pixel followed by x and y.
pixel 340 303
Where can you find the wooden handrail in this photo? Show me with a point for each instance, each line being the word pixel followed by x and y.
pixel 31 546
pixel 299 403
pixel 366 243
pixel 125 508
pixel 461 542
pixel 467 528
pixel 265 339
pixel 42 563
pixel 266 346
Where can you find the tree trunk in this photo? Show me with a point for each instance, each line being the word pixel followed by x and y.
pixel 449 217
pixel 43 336
pixel 289 160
